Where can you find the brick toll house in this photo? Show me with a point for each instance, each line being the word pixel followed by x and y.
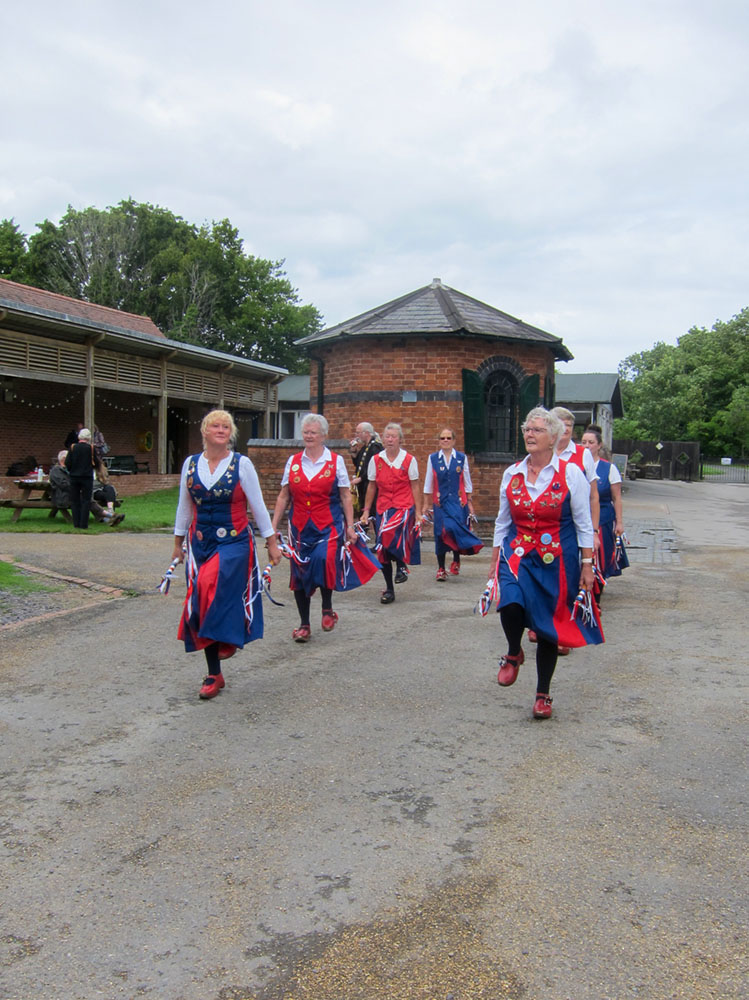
pixel 436 358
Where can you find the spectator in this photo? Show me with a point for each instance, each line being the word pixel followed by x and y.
pixel 80 465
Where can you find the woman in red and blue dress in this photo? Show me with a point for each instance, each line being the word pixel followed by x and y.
pixel 543 550
pixel 393 478
pixel 222 609
pixel 324 549
pixel 452 506
pixel 611 524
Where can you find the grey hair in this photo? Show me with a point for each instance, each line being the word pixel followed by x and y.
pixel 61 456
pixel 367 427
pixel 554 425
pixel 563 413
pixel 84 434
pixel 316 418
pixel 395 427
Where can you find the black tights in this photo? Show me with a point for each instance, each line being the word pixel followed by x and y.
pixel 513 623
pixel 387 571
pixel 211 658
pixel 441 559
pixel 303 601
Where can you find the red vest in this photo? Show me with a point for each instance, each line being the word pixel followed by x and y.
pixel 313 499
pixel 393 485
pixel 536 521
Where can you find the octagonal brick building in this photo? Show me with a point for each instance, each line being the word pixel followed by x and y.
pixel 437 358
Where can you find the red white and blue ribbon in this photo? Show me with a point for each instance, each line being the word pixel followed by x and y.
pixel 619 551
pixel 265 582
pixel 490 595
pixel 163 587
pixel 583 607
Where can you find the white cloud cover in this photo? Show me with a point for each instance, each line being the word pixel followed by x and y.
pixel 582 166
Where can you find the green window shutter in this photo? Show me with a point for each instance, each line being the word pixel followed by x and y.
pixel 474 433
pixel 549 392
pixel 528 399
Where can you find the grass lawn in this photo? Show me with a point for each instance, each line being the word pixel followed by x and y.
pixel 150 512
pixel 12 579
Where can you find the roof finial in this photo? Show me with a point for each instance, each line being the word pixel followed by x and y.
pixel 436 282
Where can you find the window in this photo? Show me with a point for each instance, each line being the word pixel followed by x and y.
pixel 500 412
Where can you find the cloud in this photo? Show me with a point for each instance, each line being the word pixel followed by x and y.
pixel 581 166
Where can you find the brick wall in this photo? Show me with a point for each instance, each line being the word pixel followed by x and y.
pixel 39 419
pixel 126 486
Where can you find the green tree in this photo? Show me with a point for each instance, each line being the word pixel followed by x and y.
pixel 691 391
pixel 196 283
pixel 12 251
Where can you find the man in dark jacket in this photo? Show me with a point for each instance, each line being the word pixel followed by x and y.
pixel 80 466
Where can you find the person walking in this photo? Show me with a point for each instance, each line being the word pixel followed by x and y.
pixel 452 506
pixel 223 607
pixel 325 551
pixel 393 480
pixel 543 554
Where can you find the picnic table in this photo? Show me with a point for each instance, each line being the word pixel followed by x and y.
pixel 29 502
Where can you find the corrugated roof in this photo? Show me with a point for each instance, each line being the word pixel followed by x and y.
pixel 590 387
pixel 437 309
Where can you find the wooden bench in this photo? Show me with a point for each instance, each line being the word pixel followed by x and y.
pixel 125 465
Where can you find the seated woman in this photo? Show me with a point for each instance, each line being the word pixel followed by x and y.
pixel 104 496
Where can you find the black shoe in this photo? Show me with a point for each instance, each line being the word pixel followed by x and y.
pixel 402 575
pixel 387 597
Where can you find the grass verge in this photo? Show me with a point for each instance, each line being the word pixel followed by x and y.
pixel 150 512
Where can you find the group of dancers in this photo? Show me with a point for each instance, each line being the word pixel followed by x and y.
pixel 329 548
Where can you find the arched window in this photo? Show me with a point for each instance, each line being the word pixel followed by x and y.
pixel 500 411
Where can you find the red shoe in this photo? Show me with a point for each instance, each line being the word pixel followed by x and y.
pixel 301 634
pixel 542 707
pixel 564 651
pixel 509 667
pixel 441 575
pixel 329 618
pixel 532 637
pixel 212 684
pixel 455 568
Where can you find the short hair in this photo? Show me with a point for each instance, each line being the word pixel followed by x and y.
pixel 563 414
pixel 214 416
pixel 452 432
pixel 84 434
pixel 366 427
pixel 554 425
pixel 392 426
pixel 61 456
pixel 316 418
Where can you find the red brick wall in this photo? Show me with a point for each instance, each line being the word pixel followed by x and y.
pixel 42 413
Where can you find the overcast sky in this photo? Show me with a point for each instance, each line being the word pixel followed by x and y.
pixel 581 165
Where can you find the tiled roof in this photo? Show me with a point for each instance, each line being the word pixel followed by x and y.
pixel 61 307
pixel 438 309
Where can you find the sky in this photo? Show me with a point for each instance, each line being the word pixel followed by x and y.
pixel 583 166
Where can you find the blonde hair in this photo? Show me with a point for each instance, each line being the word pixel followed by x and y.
pixel 216 416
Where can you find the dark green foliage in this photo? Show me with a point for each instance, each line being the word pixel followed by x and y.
pixel 196 283
pixel 695 391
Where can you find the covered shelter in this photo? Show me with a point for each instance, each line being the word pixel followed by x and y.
pixel 593 398
pixel 63 360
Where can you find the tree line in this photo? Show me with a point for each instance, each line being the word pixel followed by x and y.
pixel 196 283
pixel 697 390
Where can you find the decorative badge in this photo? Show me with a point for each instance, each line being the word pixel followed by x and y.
pixel 515 483
pixel 548 558
pixel 220 532
pixel 545 538
pixel 520 551
pixel 233 532
pixel 327 473
pixel 297 479
pixel 295 467
pixel 200 535
pixel 556 486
